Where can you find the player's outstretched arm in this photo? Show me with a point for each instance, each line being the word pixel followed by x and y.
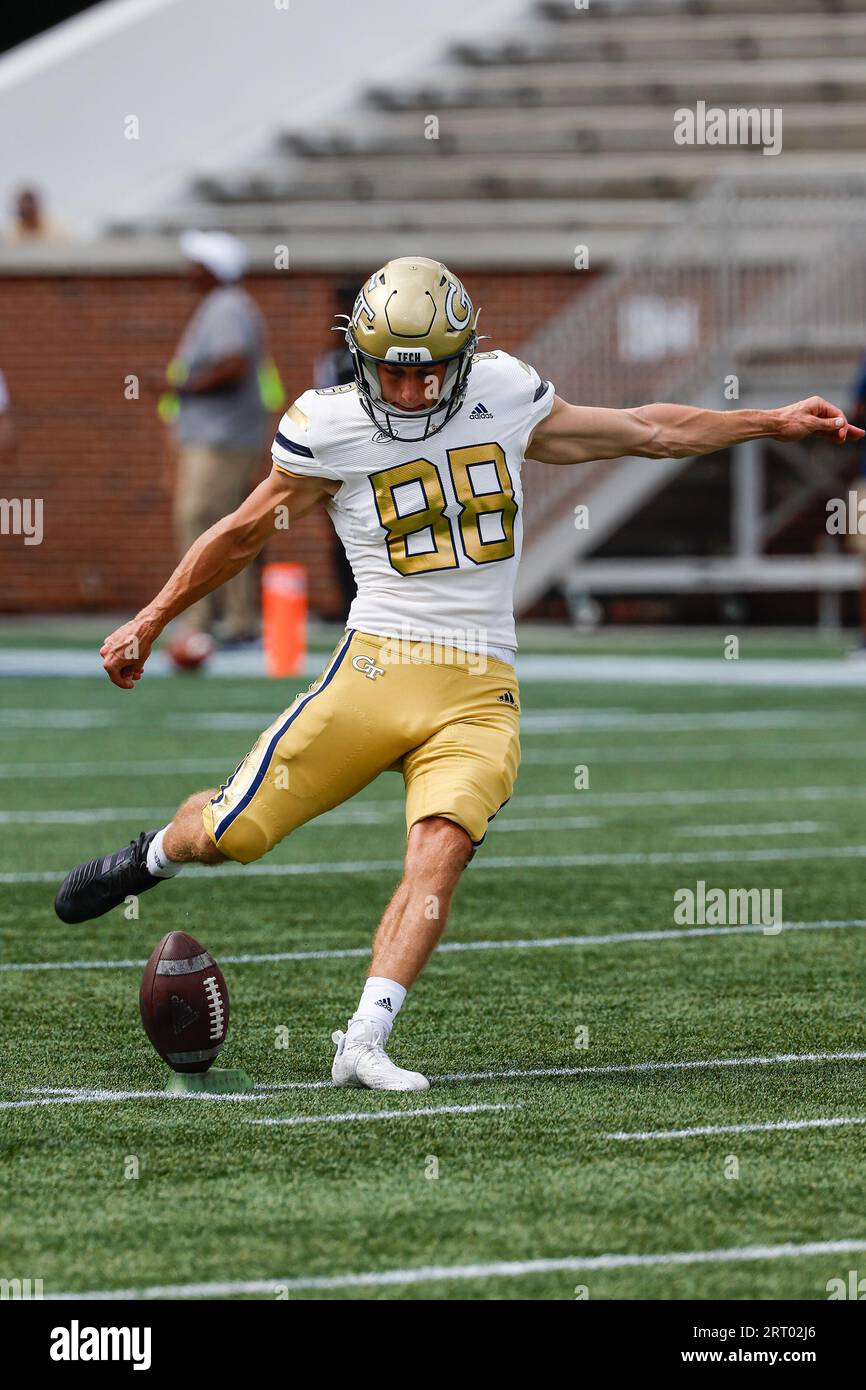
pixel 576 433
pixel 217 555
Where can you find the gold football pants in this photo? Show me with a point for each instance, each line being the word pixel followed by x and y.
pixel 446 719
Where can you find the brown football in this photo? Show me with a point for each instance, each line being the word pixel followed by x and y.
pixel 184 1003
pixel 190 650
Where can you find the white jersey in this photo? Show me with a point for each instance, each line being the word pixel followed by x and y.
pixel 432 528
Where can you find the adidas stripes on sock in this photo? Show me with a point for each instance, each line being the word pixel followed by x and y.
pixel 380 1003
pixel 158 862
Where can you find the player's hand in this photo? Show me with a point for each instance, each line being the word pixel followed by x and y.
pixel 815 416
pixel 124 653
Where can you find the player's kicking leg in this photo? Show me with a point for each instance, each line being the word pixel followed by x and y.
pixel 436 855
pixel 95 887
pixel 457 777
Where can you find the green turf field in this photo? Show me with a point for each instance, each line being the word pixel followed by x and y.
pixel 741 788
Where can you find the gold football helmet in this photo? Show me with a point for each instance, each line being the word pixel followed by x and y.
pixel 411 312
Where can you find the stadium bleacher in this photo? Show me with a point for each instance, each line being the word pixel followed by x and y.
pixel 564 122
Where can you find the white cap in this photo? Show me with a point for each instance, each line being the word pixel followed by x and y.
pixel 219 252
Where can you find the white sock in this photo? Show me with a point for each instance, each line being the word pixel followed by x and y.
pixel 380 1003
pixel 158 862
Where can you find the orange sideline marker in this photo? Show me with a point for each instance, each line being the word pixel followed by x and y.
pixel 284 618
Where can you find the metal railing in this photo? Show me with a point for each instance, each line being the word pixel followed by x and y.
pixel 751 272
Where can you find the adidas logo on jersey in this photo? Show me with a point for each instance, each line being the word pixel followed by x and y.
pixel 506 698
pixel 384 1004
pixel 480 412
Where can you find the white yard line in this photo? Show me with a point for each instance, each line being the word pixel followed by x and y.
pixel 694 796
pixel 518 944
pixel 780 827
pixel 782 672
pixel 503 1269
pixel 97 1095
pixel 12 720
pixel 107 1093
pixel 768 854
pixel 376 811
pixel 633 669
pixel 557 721
pixel 697 1130
pixel 605 1069
pixel 268 1090
pixel 85 816
pixel 217 767
pixel 554 861
pixel 265 958
pixel 502 825
pixel 351 1117
pixel 66 771
pixel 614 1068
pixel 331 820
pixel 700 753
pixel 544 721
pixel 265 1090
pixel 533 721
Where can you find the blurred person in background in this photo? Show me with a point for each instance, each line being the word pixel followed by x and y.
pixel 7 428
pixel 221 418
pixel 29 220
pixel 856 541
pixel 335 368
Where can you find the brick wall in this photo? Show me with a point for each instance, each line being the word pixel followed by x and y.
pixel 67 343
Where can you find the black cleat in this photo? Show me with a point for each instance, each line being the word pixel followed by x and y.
pixel 94 888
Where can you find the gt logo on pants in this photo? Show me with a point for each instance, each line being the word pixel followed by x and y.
pixel 368 666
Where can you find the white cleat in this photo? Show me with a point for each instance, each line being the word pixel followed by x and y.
pixel 361 1060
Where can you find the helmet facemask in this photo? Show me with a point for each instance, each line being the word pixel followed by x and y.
pixel 420 423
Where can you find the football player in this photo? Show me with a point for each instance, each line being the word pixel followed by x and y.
pixel 418 462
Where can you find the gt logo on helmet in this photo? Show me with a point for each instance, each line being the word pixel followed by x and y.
pixel 465 302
